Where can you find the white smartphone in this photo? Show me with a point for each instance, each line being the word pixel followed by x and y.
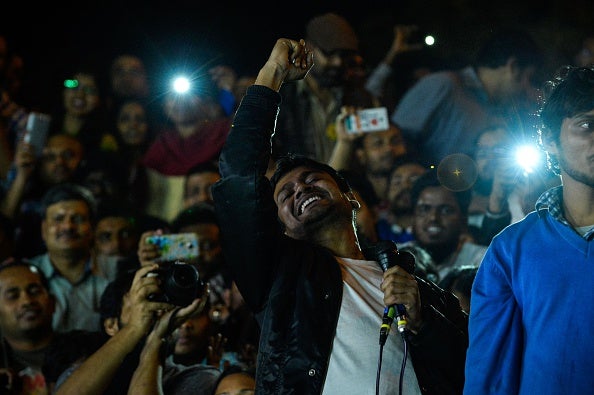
pixel 368 120
pixel 37 128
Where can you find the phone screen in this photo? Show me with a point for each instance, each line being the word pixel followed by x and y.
pixel 37 128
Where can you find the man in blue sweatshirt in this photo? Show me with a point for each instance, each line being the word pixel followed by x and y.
pixel 531 319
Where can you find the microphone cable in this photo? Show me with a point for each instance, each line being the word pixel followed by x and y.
pixel 388 256
pixel 402 366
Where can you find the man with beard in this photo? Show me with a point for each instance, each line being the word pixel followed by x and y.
pixel 67 230
pixel 396 225
pixel 372 154
pixel 310 106
pixel 26 308
pixel 531 317
pixel 293 250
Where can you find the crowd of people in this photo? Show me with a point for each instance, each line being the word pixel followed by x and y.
pixel 292 212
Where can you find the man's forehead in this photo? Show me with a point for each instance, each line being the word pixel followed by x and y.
pixel 113 221
pixel 407 168
pixel 206 176
pixel 18 276
pixel 297 173
pixel 437 195
pixel 69 205
pixel 63 142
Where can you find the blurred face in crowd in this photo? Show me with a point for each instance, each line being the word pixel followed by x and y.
pixel 192 336
pixel 13 75
pixel 400 187
pixel 242 84
pixel 66 228
pixel 585 55
pixel 514 84
pixel 438 220
pixel 26 307
pixel 198 188
pixel 190 109
pixel 128 77
pixel 132 123
pixel 210 253
pixel 333 68
pixel 236 384
pixel 115 236
pixel 490 148
pixel 61 158
pixel 380 150
pixel 82 99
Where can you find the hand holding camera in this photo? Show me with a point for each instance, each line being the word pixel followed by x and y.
pixel 138 311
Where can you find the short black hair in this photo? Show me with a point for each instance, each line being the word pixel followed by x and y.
pixel 290 161
pixel 16 262
pixel 69 191
pixel 430 179
pixel 568 93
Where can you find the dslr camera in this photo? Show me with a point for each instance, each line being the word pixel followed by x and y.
pixel 180 284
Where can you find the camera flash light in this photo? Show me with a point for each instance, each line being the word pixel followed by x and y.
pixel 181 85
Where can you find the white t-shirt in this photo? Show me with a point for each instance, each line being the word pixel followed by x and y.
pixel 355 351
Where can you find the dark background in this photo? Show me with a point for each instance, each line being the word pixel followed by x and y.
pixel 54 38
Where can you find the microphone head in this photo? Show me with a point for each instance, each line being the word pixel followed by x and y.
pixel 387 256
pixel 385 251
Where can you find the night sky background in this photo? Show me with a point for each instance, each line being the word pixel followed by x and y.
pixel 55 37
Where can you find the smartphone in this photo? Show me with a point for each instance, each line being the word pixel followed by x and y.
pixel 36 130
pixel 176 246
pixel 368 120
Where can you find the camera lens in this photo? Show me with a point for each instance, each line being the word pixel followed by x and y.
pixel 181 283
pixel 184 276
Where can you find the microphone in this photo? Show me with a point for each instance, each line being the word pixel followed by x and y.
pixel 388 256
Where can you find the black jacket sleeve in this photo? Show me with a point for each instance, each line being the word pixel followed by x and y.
pixel 243 197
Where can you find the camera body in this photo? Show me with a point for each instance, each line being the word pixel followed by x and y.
pixel 180 284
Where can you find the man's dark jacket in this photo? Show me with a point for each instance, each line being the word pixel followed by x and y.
pixel 295 287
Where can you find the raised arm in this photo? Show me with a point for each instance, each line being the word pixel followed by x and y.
pixel 243 199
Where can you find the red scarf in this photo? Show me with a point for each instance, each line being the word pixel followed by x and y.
pixel 172 155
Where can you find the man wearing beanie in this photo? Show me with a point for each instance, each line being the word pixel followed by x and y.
pixel 310 106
